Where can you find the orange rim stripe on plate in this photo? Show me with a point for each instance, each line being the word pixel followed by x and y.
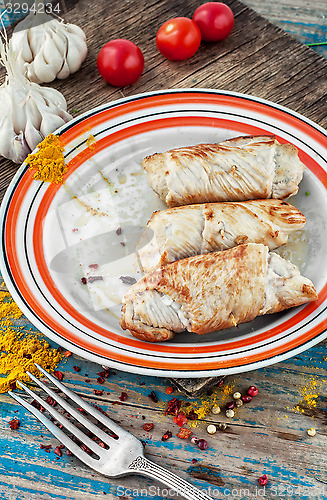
pixel 15 202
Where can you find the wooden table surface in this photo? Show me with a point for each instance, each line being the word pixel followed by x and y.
pixel 268 436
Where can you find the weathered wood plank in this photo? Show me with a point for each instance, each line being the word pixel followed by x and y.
pixel 266 436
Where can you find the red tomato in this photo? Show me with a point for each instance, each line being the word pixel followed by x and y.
pixel 178 38
pixel 120 62
pixel 215 20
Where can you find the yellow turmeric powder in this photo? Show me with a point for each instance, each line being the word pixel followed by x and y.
pixel 48 161
pixel 19 350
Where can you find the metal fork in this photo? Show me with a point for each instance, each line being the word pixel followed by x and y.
pixel 125 453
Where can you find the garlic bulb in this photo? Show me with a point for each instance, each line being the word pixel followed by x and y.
pixel 48 48
pixel 29 112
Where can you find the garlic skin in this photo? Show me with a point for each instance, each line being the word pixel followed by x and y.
pixel 29 112
pixel 47 48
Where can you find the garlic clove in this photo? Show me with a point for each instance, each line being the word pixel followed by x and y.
pixel 64 72
pixel 19 148
pixel 33 113
pixel 76 53
pixel 32 136
pixel 50 123
pixel 51 54
pixel 60 41
pixel 36 38
pixel 44 72
pixel 21 47
pixel 76 30
pixel 53 98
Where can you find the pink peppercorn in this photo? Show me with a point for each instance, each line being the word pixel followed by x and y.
pixel 263 480
pixel 202 444
pixel 246 398
pixel 230 405
pixel 194 440
pixel 252 391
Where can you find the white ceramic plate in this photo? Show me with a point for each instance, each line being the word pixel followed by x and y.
pixel 52 234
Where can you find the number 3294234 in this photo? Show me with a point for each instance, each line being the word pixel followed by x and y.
pixel 36 8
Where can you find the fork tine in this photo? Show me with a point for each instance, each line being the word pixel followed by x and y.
pixel 76 414
pixel 58 433
pixel 86 406
pixel 66 423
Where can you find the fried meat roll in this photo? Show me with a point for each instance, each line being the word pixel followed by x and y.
pixel 180 232
pixel 211 292
pixel 243 168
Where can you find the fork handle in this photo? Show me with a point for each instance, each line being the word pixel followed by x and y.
pixel 145 467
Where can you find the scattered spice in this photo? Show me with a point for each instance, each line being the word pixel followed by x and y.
pixel 123 396
pixel 97 392
pixel 127 280
pixel 59 375
pixel 216 409
pixel 92 279
pixel 184 433
pixel 51 401
pixel 230 405
pixel 153 397
pixel 67 354
pixel 147 427
pixel 169 390
pixel 45 447
pixel 253 391
pixel 202 444
pixel 230 413
pixel 91 142
pixel 19 350
pixel 311 432
pixel 118 231
pixel 246 398
pixel 37 405
pixel 83 280
pixel 100 380
pixel 310 394
pixel 167 435
pixel 14 424
pixel 93 266
pixel 237 395
pixel 48 161
pixel 263 480
pixel 173 407
pixel 211 429
pixel 105 373
pixel 58 451
pixel 180 419
pixel 76 368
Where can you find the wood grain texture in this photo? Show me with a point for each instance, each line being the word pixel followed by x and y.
pixel 267 436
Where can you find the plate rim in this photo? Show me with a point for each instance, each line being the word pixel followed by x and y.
pixel 118 364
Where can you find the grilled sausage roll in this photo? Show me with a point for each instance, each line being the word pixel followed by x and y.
pixel 211 292
pixel 243 168
pixel 180 232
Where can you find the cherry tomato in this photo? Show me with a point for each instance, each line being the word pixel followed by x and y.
pixel 178 38
pixel 215 20
pixel 120 62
